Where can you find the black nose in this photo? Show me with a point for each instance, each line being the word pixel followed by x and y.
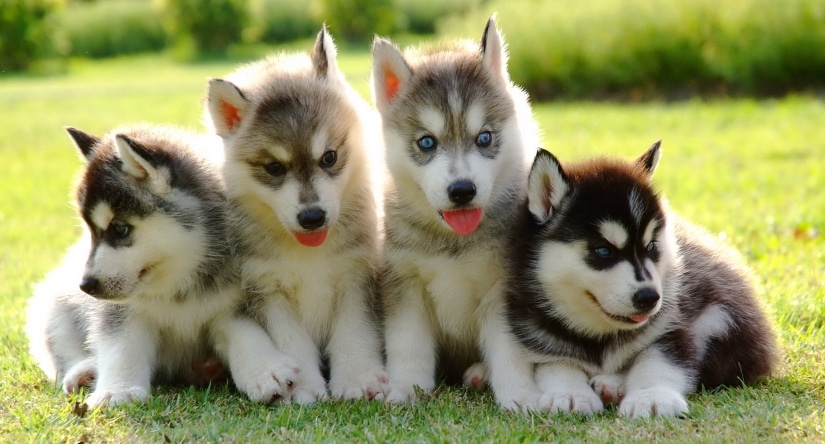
pixel 645 299
pixel 312 218
pixel 90 285
pixel 461 192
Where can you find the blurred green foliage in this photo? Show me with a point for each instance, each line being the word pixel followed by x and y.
pixel 110 28
pixel 25 33
pixel 205 27
pixel 639 49
pixel 357 20
pixel 610 49
pixel 277 21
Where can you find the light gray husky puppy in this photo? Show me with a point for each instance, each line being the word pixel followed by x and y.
pixel 298 174
pixel 150 292
pixel 459 139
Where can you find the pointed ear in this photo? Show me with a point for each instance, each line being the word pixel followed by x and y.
pixel 84 141
pixel 650 159
pixel 390 72
pixel 227 106
pixel 323 55
pixel 547 186
pixel 139 162
pixel 493 50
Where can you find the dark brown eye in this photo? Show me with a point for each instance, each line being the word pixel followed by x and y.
pixel 329 158
pixel 119 229
pixel 275 169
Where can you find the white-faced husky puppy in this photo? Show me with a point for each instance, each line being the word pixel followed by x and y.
pixel 298 174
pixel 160 290
pixel 459 139
pixel 618 300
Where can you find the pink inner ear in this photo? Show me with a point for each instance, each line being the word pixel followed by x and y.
pixel 231 115
pixel 391 82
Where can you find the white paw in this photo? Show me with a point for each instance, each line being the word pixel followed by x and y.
pixel 655 401
pixel 308 395
pixel 399 394
pixel 372 384
pixel 81 374
pixel 269 382
pixel 609 387
pixel 580 400
pixel 116 396
pixel 520 401
pixel 475 377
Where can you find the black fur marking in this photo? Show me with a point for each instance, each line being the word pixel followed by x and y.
pixel 84 141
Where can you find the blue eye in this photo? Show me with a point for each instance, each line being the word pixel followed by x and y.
pixel 603 252
pixel 426 143
pixel 484 139
pixel 651 247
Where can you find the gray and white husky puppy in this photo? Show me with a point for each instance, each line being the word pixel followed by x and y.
pixel 297 143
pixel 617 300
pixel 459 139
pixel 150 292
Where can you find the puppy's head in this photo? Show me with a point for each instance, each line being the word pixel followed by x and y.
pixel 604 245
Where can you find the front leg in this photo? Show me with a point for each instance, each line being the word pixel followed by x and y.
pixel 356 368
pixel 656 385
pixel 510 372
pixel 293 339
pixel 126 358
pixel 258 369
pixel 566 388
pixel 411 346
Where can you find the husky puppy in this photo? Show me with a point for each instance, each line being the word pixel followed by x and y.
pixel 459 139
pixel 296 138
pixel 618 300
pixel 158 289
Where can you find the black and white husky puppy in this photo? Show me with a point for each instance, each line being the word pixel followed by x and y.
pixel 151 291
pixel 618 300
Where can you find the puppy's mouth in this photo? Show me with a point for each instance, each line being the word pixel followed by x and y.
pixel 634 320
pixel 464 221
pixel 311 238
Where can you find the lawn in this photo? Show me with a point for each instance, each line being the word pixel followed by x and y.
pixel 750 170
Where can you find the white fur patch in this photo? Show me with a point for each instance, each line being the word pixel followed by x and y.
pixel 637 206
pixel 319 143
pixel 713 322
pixel 102 215
pixel 474 117
pixel 650 229
pixel 614 233
pixel 432 120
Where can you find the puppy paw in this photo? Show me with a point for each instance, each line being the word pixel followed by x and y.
pixel 102 396
pixel 403 394
pixel 610 388
pixel 269 383
pixel 80 375
pixel 567 400
pixel 371 385
pixel 308 395
pixel 522 401
pixel 475 377
pixel 655 401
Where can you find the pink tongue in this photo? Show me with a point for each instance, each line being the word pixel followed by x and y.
pixel 312 238
pixel 639 318
pixel 463 221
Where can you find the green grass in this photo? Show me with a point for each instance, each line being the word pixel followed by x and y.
pixel 750 169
